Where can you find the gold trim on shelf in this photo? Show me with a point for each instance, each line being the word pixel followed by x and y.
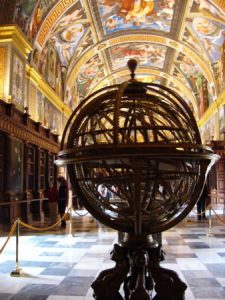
pixel 13 34
pixel 2 71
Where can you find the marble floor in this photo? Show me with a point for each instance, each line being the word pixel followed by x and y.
pixel 61 265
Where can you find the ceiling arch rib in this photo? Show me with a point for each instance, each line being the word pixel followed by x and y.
pixel 154 39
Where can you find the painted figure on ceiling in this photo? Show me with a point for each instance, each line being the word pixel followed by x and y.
pixel 197 81
pixel 134 7
pixel 67 41
pixel 69 19
pixel 88 72
pixel 43 61
pixel 23 13
pixel 51 67
pixel 58 80
pixel 36 22
pixel 146 54
pixel 193 41
pixel 211 35
pixel 120 15
pixel 207 8
pixel 30 13
pixel 35 57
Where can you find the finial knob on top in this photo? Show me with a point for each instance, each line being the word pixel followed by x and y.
pixel 132 64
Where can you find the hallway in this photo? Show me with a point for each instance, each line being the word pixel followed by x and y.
pixel 59 266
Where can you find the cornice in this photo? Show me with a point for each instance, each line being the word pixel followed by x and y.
pixel 13 34
pixel 22 132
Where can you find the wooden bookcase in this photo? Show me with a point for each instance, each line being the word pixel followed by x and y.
pixel 42 170
pixel 30 167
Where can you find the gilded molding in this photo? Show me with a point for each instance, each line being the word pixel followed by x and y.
pixel 2 71
pixel 137 38
pixel 13 34
pixel 33 75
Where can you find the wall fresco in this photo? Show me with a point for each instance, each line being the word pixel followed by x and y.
pixel 179 75
pixel 85 43
pixel 197 81
pixel 49 115
pixel 52 66
pixel 32 105
pixel 221 122
pixel 208 25
pixel 179 91
pixel 191 40
pixel 68 32
pixel 89 71
pixel 18 81
pixel 29 15
pixel 40 106
pixel 49 66
pixel 207 9
pixel 43 60
pixel 208 131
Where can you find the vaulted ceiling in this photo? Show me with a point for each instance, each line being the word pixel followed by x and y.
pixel 86 44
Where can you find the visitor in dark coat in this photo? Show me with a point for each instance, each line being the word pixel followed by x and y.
pixel 63 195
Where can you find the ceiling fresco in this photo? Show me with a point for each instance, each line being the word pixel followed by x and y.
pixel 81 46
pixel 129 15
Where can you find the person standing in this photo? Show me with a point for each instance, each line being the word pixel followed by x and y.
pixel 52 202
pixel 63 195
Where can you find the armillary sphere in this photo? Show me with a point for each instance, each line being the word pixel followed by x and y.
pixel 135 159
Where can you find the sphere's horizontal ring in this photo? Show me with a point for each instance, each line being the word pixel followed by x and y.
pixel 77 156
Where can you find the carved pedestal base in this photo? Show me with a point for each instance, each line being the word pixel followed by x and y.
pixel 140 273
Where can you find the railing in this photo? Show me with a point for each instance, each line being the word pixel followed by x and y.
pixel 16 202
pixel 15 228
